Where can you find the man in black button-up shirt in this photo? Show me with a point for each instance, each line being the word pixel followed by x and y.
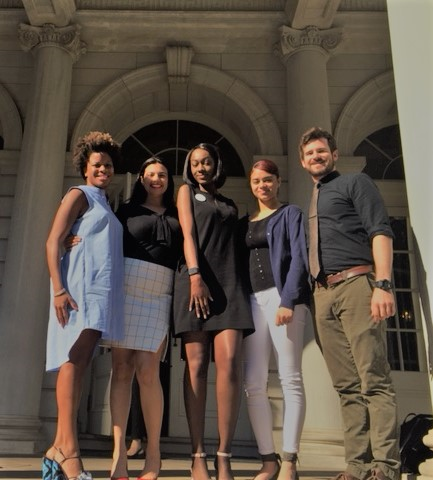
pixel 353 296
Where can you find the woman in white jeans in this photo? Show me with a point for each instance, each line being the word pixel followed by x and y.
pixel 278 273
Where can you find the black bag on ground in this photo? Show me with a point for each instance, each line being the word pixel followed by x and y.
pixel 412 450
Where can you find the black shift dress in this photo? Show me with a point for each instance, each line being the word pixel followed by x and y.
pixel 216 220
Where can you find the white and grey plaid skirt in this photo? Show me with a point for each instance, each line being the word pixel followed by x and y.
pixel 148 298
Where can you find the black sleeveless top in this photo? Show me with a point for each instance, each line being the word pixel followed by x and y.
pixel 260 269
pixel 150 236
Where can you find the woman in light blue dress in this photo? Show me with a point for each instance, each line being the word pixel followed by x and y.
pixel 86 292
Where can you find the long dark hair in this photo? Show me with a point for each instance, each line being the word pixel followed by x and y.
pixel 219 176
pixel 139 194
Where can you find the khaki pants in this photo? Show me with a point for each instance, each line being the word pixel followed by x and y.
pixel 354 348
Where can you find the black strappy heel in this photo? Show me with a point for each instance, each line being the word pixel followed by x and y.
pixel 291 458
pixel 271 457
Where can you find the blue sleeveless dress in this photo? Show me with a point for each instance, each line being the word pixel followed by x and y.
pixel 92 272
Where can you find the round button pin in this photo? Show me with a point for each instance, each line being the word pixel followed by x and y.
pixel 200 197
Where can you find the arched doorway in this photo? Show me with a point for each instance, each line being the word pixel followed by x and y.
pixel 227 110
pixel 170 140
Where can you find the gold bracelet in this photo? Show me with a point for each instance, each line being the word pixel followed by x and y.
pixel 60 292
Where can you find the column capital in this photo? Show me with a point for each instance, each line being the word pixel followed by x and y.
pixel 292 40
pixel 67 38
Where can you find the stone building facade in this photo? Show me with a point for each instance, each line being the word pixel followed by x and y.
pixel 251 74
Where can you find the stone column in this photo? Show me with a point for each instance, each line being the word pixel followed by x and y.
pixel 418 36
pixel 305 54
pixel 38 191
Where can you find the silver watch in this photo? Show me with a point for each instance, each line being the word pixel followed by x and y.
pixel 384 285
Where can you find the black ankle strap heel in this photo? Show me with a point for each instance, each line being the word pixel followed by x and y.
pixel 271 457
pixel 292 458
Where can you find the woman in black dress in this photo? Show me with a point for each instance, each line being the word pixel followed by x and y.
pixel 210 304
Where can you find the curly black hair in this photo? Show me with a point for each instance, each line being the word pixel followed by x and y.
pixel 99 142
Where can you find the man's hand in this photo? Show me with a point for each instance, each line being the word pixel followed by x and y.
pixel 382 305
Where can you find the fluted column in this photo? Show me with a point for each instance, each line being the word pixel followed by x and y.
pixel 305 54
pixel 23 315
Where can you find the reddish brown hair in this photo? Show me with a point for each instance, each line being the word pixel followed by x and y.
pixel 267 166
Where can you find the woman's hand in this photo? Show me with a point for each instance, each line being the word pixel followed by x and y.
pixel 200 296
pixel 284 316
pixel 70 241
pixel 62 305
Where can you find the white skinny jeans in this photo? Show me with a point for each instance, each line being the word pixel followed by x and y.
pixel 287 344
